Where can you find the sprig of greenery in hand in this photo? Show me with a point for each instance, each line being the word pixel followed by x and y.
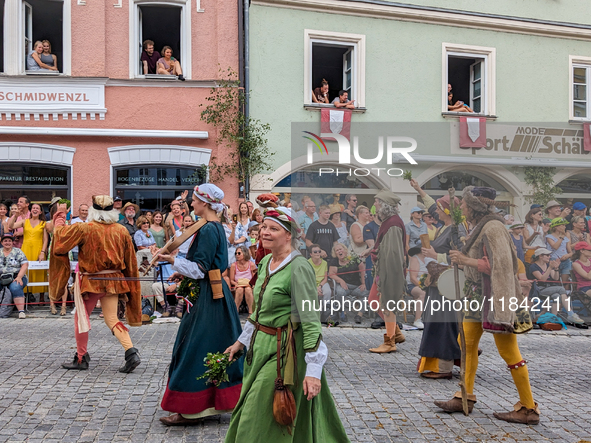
pixel 217 365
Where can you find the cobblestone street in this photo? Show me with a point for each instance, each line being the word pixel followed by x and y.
pixel 380 398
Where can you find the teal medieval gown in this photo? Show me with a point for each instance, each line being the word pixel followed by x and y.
pixel 210 326
pixel 278 300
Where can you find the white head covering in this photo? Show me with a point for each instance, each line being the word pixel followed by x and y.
pixel 210 193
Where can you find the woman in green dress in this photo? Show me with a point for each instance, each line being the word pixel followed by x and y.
pixel 284 295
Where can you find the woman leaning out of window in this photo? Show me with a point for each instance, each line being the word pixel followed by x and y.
pixel 34 62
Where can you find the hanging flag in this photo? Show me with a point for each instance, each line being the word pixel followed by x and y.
pixel 472 132
pixel 337 121
pixel 587 136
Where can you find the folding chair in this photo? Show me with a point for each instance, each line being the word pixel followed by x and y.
pixel 36 266
pixel 580 301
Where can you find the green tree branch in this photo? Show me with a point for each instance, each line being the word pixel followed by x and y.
pixel 541 179
pixel 245 139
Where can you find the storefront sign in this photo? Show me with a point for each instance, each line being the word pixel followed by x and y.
pixel 158 181
pixel 157 177
pixel 18 175
pixel 34 180
pixel 52 96
pixel 535 141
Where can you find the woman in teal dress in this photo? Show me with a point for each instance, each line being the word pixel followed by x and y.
pixel 207 326
pixel 284 293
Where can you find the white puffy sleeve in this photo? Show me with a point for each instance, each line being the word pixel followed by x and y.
pixel 187 268
pixel 246 334
pixel 315 361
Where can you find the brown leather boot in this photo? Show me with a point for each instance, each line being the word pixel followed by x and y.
pixel 520 414
pixel 399 336
pixel 455 404
pixel 387 346
pixel 437 375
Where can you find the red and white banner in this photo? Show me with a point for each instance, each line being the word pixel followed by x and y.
pixel 472 132
pixel 587 136
pixel 337 121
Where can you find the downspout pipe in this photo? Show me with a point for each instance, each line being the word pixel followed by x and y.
pixel 246 80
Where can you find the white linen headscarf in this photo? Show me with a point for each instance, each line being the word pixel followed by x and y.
pixel 211 194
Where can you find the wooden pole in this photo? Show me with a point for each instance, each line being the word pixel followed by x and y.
pixel 459 314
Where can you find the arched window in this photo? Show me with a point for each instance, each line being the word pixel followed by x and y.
pixel 577 188
pixel 322 186
pixel 38 182
pixel 459 180
pixel 438 186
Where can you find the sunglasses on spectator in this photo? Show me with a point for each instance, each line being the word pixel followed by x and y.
pixel 238 253
pixel 318 251
pixel 145 223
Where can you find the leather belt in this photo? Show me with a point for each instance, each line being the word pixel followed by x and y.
pixel 289 357
pixel 269 330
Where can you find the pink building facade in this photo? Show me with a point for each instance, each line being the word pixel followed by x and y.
pixel 99 125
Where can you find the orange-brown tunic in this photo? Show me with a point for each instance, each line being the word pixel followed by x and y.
pixel 101 247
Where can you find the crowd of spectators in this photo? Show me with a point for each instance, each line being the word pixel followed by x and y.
pixel 553 245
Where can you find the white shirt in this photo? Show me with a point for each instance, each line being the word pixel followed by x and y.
pixel 74 221
pixel 184 248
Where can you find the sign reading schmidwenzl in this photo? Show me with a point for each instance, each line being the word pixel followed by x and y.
pixel 52 95
pixel 527 140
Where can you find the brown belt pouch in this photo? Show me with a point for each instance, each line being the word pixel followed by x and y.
pixel 215 278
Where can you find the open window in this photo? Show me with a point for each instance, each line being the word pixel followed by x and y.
pixel 162 25
pixel 580 94
pixel 334 63
pixel 339 59
pixel 166 23
pixel 465 75
pixel 43 20
pixel 469 71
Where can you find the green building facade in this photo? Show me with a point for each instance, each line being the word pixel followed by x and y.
pixel 523 66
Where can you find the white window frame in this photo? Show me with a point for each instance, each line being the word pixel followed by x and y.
pixel 357 41
pixel 576 61
pixel 14 37
pixel 489 55
pixel 134 31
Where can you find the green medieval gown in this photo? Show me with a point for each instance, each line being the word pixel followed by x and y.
pixel 316 420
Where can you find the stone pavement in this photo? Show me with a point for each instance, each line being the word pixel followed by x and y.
pixel 380 397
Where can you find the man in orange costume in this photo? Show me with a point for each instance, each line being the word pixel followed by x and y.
pixel 105 251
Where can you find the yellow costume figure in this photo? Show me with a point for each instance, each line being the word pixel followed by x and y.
pixel 490 265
